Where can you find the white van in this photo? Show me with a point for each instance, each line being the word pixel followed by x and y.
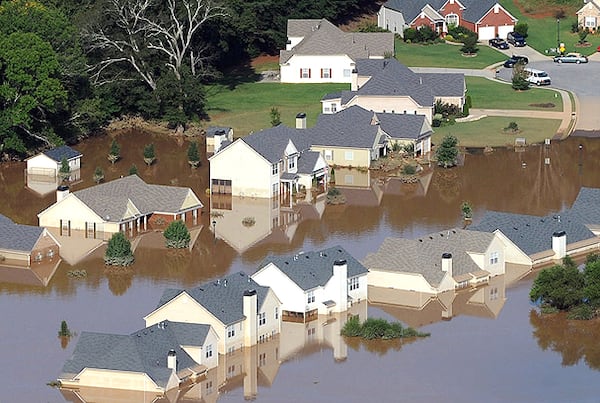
pixel 537 77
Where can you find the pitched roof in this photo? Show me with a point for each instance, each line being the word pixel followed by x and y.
pixel 327 39
pixel 271 143
pixel 424 255
pixel 307 162
pixel 445 84
pixel 296 28
pixel 475 9
pixel 533 234
pixel 404 126
pixel 410 9
pixel 223 297
pixel 143 351
pixel 18 237
pixel 58 153
pixel 218 130
pixel 313 269
pixel 587 206
pixel 110 199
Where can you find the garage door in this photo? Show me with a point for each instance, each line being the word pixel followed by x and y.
pixel 486 33
pixel 503 30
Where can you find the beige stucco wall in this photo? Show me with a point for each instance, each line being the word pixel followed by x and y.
pixel 388 104
pixel 399 280
pixel 360 157
pixel 104 378
pixel 70 208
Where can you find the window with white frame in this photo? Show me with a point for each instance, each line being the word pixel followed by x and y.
pixel 262 318
pixel 328 154
pixel 209 351
pixel 230 331
pixel 349 155
pixel 333 108
pixel 291 162
pixel 276 313
pixel 494 257
pixel 353 283
pixel 590 22
pixel 304 72
pixel 326 73
pixel 275 169
pixel 452 20
pixel 310 297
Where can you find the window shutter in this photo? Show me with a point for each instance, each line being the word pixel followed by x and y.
pixel 309 72
pixel 330 73
pixel 300 72
pixel 321 73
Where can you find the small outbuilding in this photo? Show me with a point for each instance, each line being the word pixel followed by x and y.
pixel 48 162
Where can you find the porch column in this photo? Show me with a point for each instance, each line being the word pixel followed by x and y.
pixel 137 224
pixel 145 223
pixel 195 216
pixel 131 228
pixel 183 216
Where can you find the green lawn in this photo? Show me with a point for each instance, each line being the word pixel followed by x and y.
pixel 490 131
pixel 488 94
pixel 247 107
pixel 543 32
pixel 445 55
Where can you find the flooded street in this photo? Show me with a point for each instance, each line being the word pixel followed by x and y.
pixel 482 347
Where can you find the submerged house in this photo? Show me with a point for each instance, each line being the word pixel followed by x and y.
pixel 125 204
pixel 314 283
pixel 216 137
pixel 26 245
pixel 438 262
pixel 48 163
pixel 156 359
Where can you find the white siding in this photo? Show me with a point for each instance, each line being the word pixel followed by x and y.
pixel 292 297
pixel 391 20
pixel 290 71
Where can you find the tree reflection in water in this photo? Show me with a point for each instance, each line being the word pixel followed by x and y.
pixel 119 279
pixel 379 347
pixel 573 339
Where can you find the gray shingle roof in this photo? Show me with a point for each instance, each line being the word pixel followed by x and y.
pixel 143 351
pixel 587 206
pixel 533 234
pixel 328 39
pixel 404 126
pixel 18 237
pixel 410 9
pixel 221 130
pixel 58 153
pixel 110 199
pixel 313 269
pixel 223 297
pixel 297 28
pixel 424 255
pixel 271 143
pixel 307 162
pixel 445 84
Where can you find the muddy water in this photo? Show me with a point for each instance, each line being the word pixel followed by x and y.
pixel 496 352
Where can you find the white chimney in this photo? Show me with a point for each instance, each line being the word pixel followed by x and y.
pixel 354 83
pixel 172 360
pixel 61 192
pixel 447 263
pixel 301 120
pixel 340 274
pixel 559 244
pixel 250 312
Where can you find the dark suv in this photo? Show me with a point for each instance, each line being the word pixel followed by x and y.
pixel 514 59
pixel 516 39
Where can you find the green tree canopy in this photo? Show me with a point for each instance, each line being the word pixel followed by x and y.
pixel 447 152
pixel 118 251
pixel 177 235
pixel 560 286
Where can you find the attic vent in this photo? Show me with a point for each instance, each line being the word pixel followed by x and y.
pixel 442 235
pixel 295 257
pixel 286 262
pixel 307 256
pixel 430 237
pixel 515 228
pixel 420 240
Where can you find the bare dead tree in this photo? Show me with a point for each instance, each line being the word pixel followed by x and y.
pixel 139 30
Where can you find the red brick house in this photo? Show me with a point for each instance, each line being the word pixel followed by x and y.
pixel 485 17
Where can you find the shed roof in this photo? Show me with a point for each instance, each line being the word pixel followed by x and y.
pixel 18 237
pixel 58 153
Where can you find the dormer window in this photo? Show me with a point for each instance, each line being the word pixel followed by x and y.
pixel 291 163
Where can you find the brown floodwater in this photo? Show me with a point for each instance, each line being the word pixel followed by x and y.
pixel 479 349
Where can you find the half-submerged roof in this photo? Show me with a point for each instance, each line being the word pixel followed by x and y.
pixel 424 255
pixel 18 237
pixel 313 269
pixel 223 297
pixel 144 351
pixel 587 206
pixel 58 153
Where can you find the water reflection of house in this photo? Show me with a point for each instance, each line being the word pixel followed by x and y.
pixel 417 309
pixel 357 186
pixel 418 188
pixel 437 262
pixel 43 185
pixel 127 204
pixel 39 274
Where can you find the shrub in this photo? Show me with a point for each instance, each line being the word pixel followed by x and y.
pixel 275 117
pixel 449 38
pixel 512 126
pixel 574 27
pixel 133 170
pixel 447 152
pixel 64 329
pixel 333 192
pixel 581 312
pixel 118 252
pixel 396 147
pixel 522 28
pixel 466 209
pixel 469 45
pixel 409 169
pixel 149 154
pixel 193 155
pixel 352 328
pixel 115 151
pixel 583 34
pixel 177 235
pixel 436 122
pixel 98 175
pixel 374 328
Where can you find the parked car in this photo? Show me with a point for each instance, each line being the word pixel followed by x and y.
pixel 499 43
pixel 537 77
pixel 514 59
pixel 571 58
pixel 516 39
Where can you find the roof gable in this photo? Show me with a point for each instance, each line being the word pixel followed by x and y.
pixel 18 237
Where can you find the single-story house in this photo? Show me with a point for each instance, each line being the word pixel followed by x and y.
pixel 437 262
pixel 123 204
pixel 48 163
pixel 314 283
pixel 26 245
pixel 542 239
pixel 388 86
pixel 156 359
pixel 319 52
pixel 588 16
pixel 487 18
pixel 241 311
pixel 216 136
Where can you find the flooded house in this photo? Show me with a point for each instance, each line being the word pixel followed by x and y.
pixel 216 137
pixel 156 359
pixel 241 311
pixel 26 246
pixel 127 204
pixel 48 163
pixel 314 283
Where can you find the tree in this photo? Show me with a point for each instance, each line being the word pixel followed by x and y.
pixel 193 156
pixel 519 77
pixel 115 151
pixel 469 45
pixel 65 170
pixel 467 210
pixel 30 91
pixel 560 286
pixel 591 275
pixel 149 154
pixel 447 152
pixel 177 235
pixel 118 252
pixel 275 117
pixel 133 170
pixel 522 28
pixel 98 175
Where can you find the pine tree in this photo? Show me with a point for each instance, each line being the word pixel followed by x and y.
pixel 193 156
pixel 177 235
pixel 149 154
pixel 115 152
pixel 118 252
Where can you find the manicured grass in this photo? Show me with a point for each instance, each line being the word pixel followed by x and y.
pixel 445 55
pixel 490 131
pixel 543 32
pixel 247 106
pixel 488 94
